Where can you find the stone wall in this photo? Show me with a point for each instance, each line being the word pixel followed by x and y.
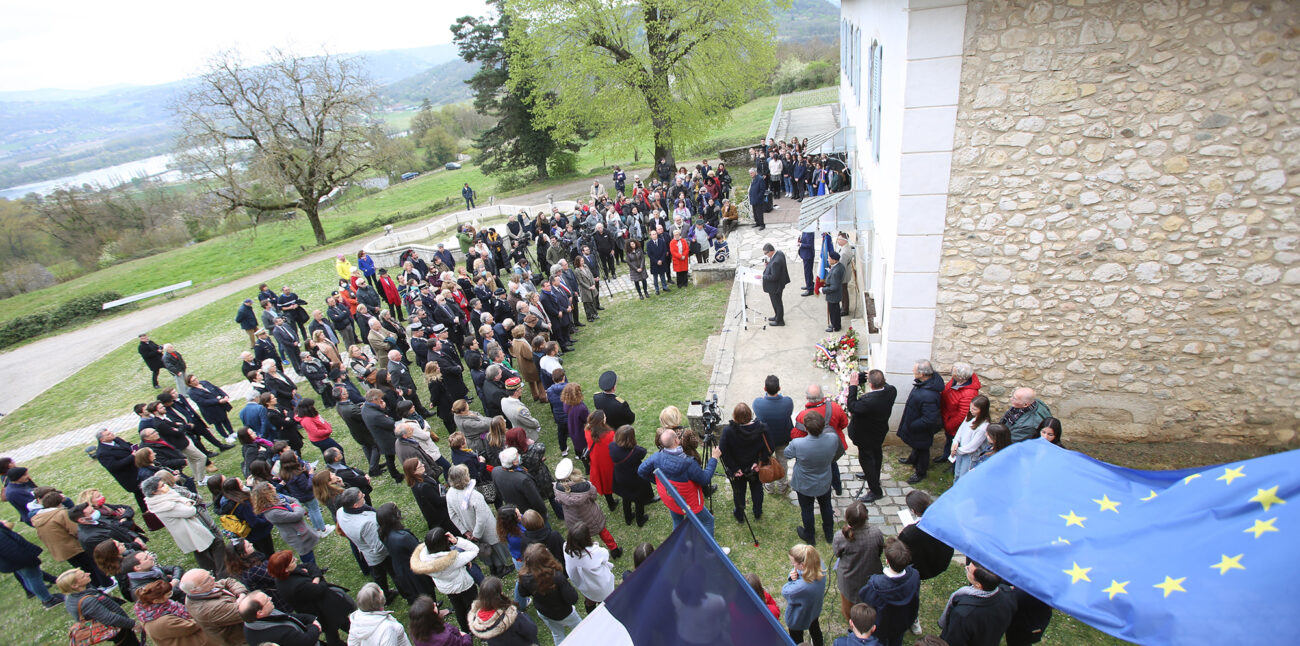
pixel 1122 231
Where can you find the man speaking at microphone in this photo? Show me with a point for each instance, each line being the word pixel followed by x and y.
pixel 775 278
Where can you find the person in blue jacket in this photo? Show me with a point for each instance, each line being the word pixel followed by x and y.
pixel 366 265
pixel 806 255
pixel 895 594
pixel 254 416
pixel 22 558
pixel 862 627
pixel 247 320
pixel 757 197
pixel 804 591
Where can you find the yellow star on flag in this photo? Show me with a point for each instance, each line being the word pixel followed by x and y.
pixel 1267 498
pixel 1189 479
pixel 1151 497
pixel 1072 519
pixel 1078 573
pixel 1231 474
pixel 1229 563
pixel 1107 504
pixel 1170 585
pixel 1262 527
pixel 1115 588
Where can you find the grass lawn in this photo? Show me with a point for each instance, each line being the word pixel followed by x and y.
pixel 662 367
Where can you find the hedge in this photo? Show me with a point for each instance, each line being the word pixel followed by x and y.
pixel 27 326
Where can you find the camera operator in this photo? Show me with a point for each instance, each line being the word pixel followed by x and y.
pixel 684 474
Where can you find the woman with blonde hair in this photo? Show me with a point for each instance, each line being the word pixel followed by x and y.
pixel 804 591
pixel 469 513
pixel 471 424
pixel 287 516
pixel 494 441
pixel 327 349
pixel 670 419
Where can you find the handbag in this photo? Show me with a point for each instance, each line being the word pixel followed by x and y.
pixel 770 469
pixel 488 489
pixel 88 631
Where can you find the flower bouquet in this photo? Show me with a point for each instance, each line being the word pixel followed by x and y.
pixel 839 354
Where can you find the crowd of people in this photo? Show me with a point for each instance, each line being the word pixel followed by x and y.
pixel 492 506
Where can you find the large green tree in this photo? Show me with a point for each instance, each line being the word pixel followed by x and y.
pixel 667 69
pixel 519 139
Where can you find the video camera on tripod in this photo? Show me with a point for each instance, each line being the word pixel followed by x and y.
pixel 705 417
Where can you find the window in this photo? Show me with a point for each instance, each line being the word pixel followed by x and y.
pixel 855 39
pixel 873 99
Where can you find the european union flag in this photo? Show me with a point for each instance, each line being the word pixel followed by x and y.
pixel 1154 557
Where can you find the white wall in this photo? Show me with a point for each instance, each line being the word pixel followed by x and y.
pixel 920 80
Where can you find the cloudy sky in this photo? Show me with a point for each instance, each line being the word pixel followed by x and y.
pixel 80 44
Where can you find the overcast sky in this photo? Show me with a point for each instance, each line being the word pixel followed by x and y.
pixel 79 44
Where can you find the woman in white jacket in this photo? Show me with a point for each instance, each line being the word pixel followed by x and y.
pixel 588 566
pixel 444 558
pixel 470 512
pixel 970 436
pixel 186 523
pixel 372 625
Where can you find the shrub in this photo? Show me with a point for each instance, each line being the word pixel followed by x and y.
pixel 20 328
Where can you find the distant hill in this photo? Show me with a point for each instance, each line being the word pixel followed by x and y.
pixel 808 19
pixel 442 84
pixel 50 133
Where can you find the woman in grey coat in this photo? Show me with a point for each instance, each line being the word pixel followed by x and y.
pixel 813 455
pixel 636 268
pixel 88 603
pixel 586 287
pixel 287 516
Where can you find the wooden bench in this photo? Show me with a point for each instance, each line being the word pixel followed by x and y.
pixel 143 295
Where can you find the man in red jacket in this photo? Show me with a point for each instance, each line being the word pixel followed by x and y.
pixel 835 418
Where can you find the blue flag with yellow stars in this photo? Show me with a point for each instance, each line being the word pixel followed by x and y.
pixel 1154 557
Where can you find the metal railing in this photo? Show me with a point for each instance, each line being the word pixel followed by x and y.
pixel 804 99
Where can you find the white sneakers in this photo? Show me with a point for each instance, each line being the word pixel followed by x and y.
pixel 329 529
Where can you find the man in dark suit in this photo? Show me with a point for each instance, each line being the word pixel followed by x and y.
pixel 319 322
pixel 380 425
pixel 263 349
pixel 400 376
pixel 616 409
pixel 868 426
pixel 832 289
pixel 806 255
pixel 152 354
pixel 453 371
pixel 757 196
pixel 775 278
pixel 445 256
pixel 287 338
pixel 118 458
pixel 494 390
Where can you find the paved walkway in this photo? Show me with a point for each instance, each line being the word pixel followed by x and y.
pixel 30 370
pixel 744 357
pixel 808 122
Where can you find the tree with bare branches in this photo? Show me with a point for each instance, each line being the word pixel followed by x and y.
pixel 280 135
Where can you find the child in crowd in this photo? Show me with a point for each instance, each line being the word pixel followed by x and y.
pixel 895 594
pixel 804 591
pixel 862 626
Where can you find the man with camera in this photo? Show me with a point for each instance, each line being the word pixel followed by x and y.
pixel 869 425
pixel 684 474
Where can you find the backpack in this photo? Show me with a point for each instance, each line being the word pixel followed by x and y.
pixel 234 524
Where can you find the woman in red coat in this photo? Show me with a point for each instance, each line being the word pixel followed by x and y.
pixel 954 403
pixel 599 437
pixel 680 251
pixel 391 296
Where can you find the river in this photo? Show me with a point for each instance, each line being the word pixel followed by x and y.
pixel 103 177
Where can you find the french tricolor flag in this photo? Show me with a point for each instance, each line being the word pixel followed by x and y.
pixel 688 592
